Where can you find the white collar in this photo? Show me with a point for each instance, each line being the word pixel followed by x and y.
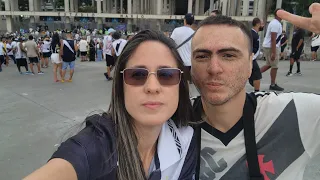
pixel 171 145
pixel 254 30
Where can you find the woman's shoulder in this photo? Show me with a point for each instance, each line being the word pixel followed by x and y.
pixel 99 132
pixel 92 151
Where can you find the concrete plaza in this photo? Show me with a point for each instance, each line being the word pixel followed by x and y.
pixel 36 114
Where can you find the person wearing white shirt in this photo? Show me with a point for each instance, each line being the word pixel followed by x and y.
pixel 2 53
pixel 118 44
pixel 83 46
pixel 107 50
pixel 271 50
pixel 10 48
pixel 182 36
pixel 46 51
pixel 315 43
pixel 21 56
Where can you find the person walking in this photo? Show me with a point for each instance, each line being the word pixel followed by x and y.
pixel 271 49
pixel 182 36
pixel 256 76
pixel 297 45
pixel 107 48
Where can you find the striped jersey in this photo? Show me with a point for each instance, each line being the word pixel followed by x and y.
pixel 287 128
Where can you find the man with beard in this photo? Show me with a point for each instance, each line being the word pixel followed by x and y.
pixel 246 136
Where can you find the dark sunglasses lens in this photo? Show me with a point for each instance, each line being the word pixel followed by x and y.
pixel 136 77
pixel 169 76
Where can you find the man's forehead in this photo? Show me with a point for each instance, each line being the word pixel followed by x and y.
pixel 219 36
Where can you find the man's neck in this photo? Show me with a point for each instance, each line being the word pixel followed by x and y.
pixel 256 29
pixel 224 117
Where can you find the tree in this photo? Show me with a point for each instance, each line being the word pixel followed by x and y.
pixel 299 7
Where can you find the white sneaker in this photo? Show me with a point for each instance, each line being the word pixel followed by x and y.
pixel 289 74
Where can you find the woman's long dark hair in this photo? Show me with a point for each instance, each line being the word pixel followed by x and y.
pixel 55 41
pixel 130 165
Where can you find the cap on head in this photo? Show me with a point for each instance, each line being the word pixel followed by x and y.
pixel 111 30
pixel 189 18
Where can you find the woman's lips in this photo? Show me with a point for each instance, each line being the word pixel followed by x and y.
pixel 152 104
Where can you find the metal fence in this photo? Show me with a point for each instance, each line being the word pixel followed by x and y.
pixel 142 24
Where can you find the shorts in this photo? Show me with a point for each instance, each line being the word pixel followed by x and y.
pixel 46 54
pixel 22 62
pixel 70 64
pixel 109 60
pixel 314 49
pixel 2 60
pixel 83 53
pixel 283 48
pixel 296 55
pixel 256 73
pixel 33 60
pixel 267 55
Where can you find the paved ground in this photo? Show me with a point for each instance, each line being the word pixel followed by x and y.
pixel 36 114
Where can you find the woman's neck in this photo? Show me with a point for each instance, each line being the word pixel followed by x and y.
pixel 147 144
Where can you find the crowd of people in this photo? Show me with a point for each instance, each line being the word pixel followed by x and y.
pixel 153 131
pixel 61 48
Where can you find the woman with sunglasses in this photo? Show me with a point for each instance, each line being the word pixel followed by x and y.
pixel 144 135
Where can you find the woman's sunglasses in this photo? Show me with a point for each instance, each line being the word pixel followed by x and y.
pixel 139 76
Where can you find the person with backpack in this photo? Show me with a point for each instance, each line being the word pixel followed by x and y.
pixel 68 51
pixel 118 44
pixel 271 50
pixel 182 36
pixel 246 136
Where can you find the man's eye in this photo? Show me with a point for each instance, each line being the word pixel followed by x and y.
pixel 228 56
pixel 201 56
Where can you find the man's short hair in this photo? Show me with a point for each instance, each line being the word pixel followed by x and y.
pixel 189 18
pixel 30 37
pixel 256 21
pixel 216 11
pixel 116 35
pixel 228 21
pixel 275 12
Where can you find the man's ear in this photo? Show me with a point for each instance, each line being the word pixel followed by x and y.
pixel 250 63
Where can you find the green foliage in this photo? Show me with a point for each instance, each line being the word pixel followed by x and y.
pixel 299 7
pixel 87 9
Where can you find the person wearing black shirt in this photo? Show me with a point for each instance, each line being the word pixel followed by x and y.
pixel 255 77
pixel 284 43
pixel 296 50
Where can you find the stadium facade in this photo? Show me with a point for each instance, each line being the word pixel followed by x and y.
pixel 160 14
